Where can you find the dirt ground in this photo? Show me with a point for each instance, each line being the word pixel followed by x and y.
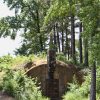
pixel 5 97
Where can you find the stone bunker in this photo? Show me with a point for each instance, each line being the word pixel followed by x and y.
pixel 64 74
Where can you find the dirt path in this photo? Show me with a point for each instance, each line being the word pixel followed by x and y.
pixel 5 97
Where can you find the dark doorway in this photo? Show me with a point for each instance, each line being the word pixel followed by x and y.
pixel 52 89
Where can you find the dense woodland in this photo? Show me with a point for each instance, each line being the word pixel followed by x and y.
pixel 70 27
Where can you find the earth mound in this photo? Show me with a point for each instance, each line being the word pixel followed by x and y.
pixel 63 72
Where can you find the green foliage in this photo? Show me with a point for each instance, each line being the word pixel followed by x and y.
pixel 82 92
pixel 28 18
pixel 98 80
pixel 13 62
pixel 73 96
pixel 59 9
pixel 42 55
pixel 76 91
pixel 56 11
pixel 90 19
pixel 15 83
pixel 9 61
pixel 61 57
pixel 20 86
pixel 6 61
pixel 95 55
pixel 30 15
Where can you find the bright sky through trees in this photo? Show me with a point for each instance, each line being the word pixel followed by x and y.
pixel 7 46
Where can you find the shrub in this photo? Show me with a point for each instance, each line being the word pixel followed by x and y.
pixel 83 92
pixel 42 55
pixel 20 86
pixel 74 96
pixel 6 61
pixel 61 57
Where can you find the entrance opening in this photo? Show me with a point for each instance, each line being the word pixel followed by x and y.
pixel 52 89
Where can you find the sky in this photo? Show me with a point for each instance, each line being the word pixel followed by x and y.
pixel 7 46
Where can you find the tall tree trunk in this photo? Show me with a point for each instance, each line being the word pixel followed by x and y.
pixel 51 44
pixel 73 38
pixel 58 40
pixel 62 38
pixel 55 42
pixel 38 30
pixel 86 52
pixel 93 83
pixel 80 43
pixel 67 43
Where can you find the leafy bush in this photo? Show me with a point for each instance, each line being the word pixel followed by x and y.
pixel 6 61
pixel 11 62
pixel 42 55
pixel 98 80
pixel 61 57
pixel 74 96
pixel 76 91
pixel 83 92
pixel 20 86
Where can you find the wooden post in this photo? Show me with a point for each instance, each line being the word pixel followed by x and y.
pixel 51 60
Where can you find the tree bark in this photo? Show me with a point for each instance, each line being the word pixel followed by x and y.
pixel 93 83
pixel 58 40
pixel 67 43
pixel 62 38
pixel 55 42
pixel 80 43
pixel 73 38
pixel 38 30
pixel 86 52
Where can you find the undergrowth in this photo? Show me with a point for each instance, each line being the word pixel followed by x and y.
pixel 19 86
pixel 83 92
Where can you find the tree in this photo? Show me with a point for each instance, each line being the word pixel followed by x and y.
pixel 58 40
pixel 86 61
pixel 80 43
pixel 59 11
pixel 91 25
pixel 28 18
pixel 93 83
